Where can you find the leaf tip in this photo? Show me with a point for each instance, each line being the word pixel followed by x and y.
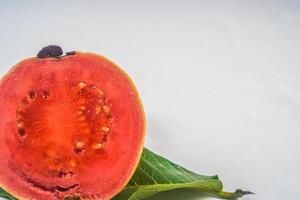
pixel 242 192
pixel 216 177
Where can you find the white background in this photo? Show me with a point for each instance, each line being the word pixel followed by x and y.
pixel 220 80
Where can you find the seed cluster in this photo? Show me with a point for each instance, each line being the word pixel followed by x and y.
pixel 32 96
pixel 92 106
pixel 91 118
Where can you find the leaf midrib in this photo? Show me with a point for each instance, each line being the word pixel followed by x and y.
pixel 173 184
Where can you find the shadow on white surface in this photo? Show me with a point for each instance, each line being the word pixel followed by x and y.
pixel 184 194
pixel 180 194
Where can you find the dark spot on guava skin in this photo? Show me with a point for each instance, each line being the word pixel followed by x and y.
pixel 45 94
pixel 78 151
pixel 21 132
pixel 72 198
pixel 50 51
pixel 32 94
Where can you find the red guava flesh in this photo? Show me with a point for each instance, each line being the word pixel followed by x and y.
pixel 72 126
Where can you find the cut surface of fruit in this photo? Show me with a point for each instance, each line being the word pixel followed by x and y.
pixel 72 126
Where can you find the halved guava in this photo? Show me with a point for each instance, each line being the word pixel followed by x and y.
pixel 72 126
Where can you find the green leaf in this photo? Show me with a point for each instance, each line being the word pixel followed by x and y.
pixel 156 174
pixel 4 194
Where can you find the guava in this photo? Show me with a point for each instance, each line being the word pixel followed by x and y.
pixel 72 126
